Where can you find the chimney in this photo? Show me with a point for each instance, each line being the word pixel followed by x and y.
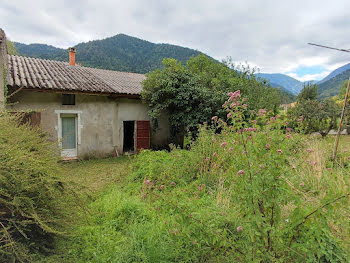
pixel 72 56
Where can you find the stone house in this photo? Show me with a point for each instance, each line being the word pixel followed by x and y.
pixel 88 111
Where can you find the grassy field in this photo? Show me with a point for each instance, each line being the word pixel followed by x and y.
pixel 88 180
pixel 92 179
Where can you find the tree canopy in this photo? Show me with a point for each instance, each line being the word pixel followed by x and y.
pixel 191 94
pixel 313 115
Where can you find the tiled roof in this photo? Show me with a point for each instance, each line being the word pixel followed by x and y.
pixel 42 74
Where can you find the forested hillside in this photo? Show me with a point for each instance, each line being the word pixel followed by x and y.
pixel 282 81
pixel 120 52
pixel 335 73
pixel 332 86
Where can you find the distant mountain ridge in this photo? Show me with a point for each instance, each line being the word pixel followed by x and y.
pixel 125 53
pixel 335 73
pixel 120 52
pixel 283 81
pixel 332 86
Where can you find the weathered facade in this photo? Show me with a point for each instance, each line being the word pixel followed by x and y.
pixel 88 111
pixel 3 64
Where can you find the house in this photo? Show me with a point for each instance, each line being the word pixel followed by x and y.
pixel 87 110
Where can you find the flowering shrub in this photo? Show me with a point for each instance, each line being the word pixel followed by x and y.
pixel 247 168
pixel 244 192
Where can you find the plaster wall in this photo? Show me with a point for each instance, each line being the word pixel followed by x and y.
pixel 101 119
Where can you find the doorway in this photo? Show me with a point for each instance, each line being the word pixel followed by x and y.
pixel 69 135
pixel 129 139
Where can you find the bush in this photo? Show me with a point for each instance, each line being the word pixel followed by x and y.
pixel 248 193
pixel 29 190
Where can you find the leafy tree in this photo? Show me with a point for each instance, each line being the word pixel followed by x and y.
pixel 174 90
pixel 309 92
pixel 313 115
pixel 192 94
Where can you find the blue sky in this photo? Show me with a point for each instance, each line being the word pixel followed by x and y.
pixel 305 73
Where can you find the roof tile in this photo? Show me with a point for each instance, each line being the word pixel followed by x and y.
pixel 35 73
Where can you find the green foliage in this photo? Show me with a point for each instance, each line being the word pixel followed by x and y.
pixel 29 191
pixel 332 86
pixel 309 92
pixel 313 115
pixel 242 195
pixel 285 96
pixel 192 94
pixel 120 52
pixel 11 49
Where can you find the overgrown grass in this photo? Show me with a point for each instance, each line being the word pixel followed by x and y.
pixel 88 181
pixel 193 219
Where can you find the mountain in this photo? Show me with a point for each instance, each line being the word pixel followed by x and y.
pixel 120 52
pixel 335 73
pixel 331 87
pixel 283 81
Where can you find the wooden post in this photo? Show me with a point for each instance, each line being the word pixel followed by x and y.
pixel 341 122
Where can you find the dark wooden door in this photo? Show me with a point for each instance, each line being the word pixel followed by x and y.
pixel 142 135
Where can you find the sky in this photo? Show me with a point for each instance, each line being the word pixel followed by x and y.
pixel 269 35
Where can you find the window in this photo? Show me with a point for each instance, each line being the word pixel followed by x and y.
pixel 68 99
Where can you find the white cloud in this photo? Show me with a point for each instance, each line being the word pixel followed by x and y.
pixel 270 34
pixel 309 77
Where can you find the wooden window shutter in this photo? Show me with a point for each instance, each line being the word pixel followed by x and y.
pixel 142 135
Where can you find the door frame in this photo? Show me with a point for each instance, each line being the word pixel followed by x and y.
pixel 70 153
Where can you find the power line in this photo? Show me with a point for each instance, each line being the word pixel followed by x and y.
pixel 339 49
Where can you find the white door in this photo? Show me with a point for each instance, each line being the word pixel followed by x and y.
pixel 69 136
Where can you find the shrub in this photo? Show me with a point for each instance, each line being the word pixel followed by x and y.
pixel 29 190
pixel 244 192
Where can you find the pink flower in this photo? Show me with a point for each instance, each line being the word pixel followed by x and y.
pixel 293 167
pixel 230 149
pixel 214 154
pixel 223 144
pixel 262 112
pixel 229 115
pixel 162 187
pixel 253 121
pixel 279 151
pixel 239 229
pixel 214 118
pixel 176 232
pixel 309 150
pixel 230 94
pixel 213 140
pixel 288 136
pixel 147 182
pixel 267 146
pixel 315 162
pixel 241 172
pixel 287 123
pixel 207 159
pixel 289 129
pixel 273 119
pixel 173 183
pixel 244 105
pixel 301 184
